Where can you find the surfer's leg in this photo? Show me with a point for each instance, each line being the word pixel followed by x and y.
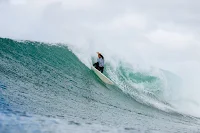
pixel 96 65
pixel 101 69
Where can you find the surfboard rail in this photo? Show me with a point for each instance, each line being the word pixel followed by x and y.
pixel 102 76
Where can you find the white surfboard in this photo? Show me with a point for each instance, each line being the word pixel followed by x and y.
pixel 102 76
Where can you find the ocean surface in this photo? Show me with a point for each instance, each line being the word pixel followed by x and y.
pixel 45 88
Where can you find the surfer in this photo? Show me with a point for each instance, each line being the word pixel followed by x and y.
pixel 100 62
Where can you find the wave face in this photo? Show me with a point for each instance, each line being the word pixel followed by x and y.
pixel 46 88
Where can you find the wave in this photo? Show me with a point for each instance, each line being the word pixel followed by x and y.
pixel 37 64
pixel 50 81
pixel 50 84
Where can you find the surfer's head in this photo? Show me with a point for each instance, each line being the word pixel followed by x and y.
pixel 100 55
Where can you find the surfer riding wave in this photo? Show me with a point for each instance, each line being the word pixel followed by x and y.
pixel 99 65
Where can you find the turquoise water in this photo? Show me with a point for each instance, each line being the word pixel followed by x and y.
pixel 46 88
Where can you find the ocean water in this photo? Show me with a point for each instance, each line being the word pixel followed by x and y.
pixel 46 88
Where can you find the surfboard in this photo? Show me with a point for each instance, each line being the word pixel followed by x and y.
pixel 102 76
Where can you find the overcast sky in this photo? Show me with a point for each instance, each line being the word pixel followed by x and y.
pixel 157 31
